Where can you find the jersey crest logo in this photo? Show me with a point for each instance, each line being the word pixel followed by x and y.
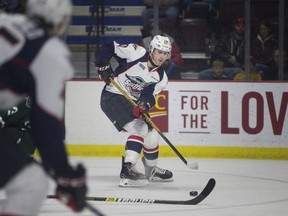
pixel 135 84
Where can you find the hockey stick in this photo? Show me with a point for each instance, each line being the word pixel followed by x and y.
pixel 94 210
pixel 204 193
pixel 193 165
pixel 87 205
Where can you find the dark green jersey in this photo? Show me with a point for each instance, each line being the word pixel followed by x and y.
pixel 17 116
pixel 16 121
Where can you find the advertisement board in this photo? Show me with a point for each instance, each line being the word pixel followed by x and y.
pixel 245 114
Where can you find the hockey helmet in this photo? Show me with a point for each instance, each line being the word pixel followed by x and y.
pixel 161 43
pixel 53 13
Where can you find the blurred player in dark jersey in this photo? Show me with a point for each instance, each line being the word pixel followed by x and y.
pixel 34 62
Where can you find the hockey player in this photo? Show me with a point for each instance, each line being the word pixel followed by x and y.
pixel 16 120
pixel 35 62
pixel 140 75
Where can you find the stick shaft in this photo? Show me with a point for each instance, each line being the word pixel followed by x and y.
pixel 93 209
pixel 149 120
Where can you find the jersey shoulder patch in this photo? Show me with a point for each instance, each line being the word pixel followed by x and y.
pixel 135 46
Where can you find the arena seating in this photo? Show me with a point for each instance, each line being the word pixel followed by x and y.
pixel 122 21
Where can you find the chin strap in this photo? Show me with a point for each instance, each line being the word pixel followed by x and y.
pixel 150 59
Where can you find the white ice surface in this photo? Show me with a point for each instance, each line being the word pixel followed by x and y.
pixel 243 188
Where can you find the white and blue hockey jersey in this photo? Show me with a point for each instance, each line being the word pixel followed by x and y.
pixel 133 74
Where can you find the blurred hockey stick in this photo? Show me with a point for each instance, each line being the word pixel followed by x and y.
pixel 193 165
pixel 87 205
pixel 93 209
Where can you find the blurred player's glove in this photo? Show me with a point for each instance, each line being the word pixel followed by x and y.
pixel 143 106
pixel 105 72
pixel 71 187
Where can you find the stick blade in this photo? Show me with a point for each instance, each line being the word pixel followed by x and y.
pixel 205 193
pixel 193 165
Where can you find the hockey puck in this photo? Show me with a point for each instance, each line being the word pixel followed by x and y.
pixel 193 193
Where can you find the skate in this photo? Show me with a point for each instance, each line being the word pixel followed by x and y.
pixel 156 174
pixel 130 177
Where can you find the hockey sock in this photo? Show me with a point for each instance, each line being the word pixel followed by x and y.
pixel 133 148
pixel 151 155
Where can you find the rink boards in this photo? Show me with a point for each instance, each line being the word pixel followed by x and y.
pixel 202 119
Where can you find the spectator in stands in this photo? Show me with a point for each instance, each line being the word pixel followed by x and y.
pixel 262 48
pixel 167 8
pixel 253 75
pixel 172 65
pixel 230 49
pixel 274 70
pixel 217 71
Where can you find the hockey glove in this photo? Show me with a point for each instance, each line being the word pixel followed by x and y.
pixel 71 188
pixel 143 106
pixel 105 72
